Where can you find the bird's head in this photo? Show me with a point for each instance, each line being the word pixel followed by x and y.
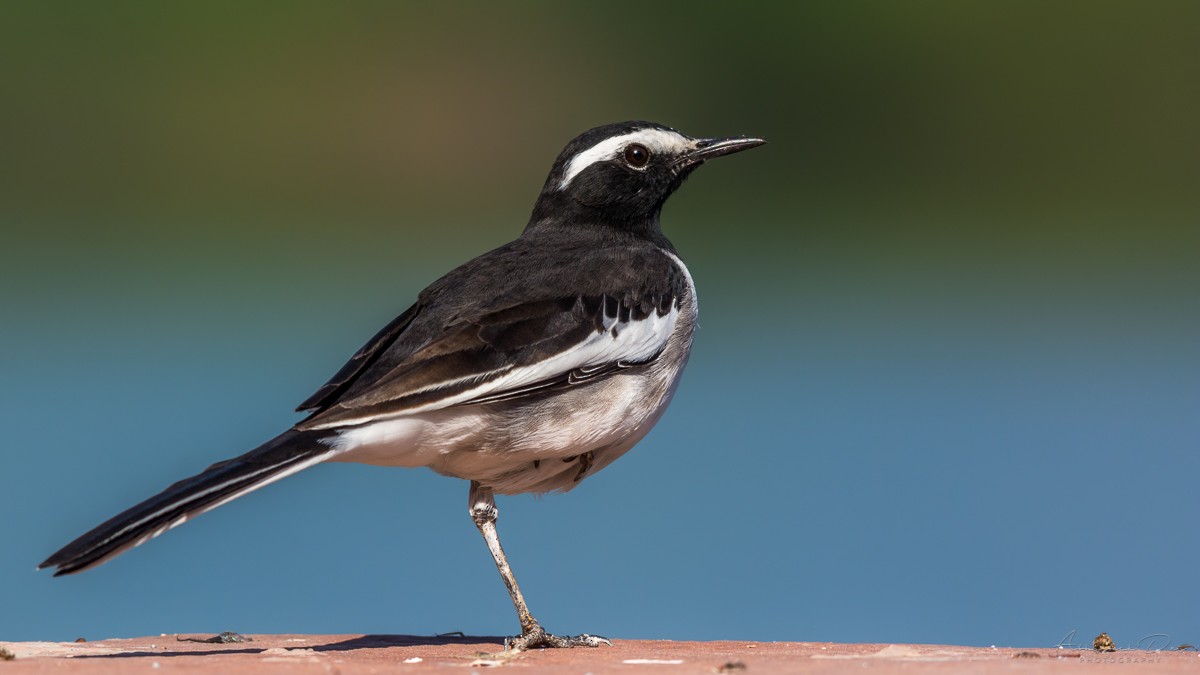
pixel 620 175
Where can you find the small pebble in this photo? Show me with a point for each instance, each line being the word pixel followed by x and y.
pixel 1103 643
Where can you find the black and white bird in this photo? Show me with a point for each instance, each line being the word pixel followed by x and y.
pixel 526 369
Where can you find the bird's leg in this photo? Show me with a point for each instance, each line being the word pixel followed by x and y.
pixel 485 514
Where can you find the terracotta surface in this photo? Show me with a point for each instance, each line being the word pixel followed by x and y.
pixel 347 654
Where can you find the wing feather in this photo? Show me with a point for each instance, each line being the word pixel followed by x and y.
pixel 359 362
pixel 494 330
pixel 501 361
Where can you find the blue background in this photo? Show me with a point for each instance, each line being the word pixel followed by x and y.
pixel 946 386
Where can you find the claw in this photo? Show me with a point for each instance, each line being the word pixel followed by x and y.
pixel 586 640
pixel 538 637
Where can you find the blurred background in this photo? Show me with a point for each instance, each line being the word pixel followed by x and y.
pixel 946 387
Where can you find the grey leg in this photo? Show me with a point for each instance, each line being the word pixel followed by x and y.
pixel 485 514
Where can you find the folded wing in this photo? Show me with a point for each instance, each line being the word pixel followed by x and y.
pixel 511 323
pixel 512 352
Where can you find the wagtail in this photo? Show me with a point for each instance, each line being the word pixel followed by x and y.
pixel 526 369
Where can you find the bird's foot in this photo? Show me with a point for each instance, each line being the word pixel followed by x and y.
pixel 538 637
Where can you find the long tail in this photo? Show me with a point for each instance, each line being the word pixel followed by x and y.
pixel 225 481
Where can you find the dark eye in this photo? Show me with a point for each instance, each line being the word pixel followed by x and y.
pixel 637 155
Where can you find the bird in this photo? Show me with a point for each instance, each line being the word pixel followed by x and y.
pixel 524 370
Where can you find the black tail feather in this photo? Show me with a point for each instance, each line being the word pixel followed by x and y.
pixel 219 483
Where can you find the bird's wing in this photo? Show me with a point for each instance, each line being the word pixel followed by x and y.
pixel 359 362
pixel 477 337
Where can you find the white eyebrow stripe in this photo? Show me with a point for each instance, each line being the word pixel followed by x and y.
pixel 656 140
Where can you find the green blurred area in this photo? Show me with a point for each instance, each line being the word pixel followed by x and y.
pixel 1048 140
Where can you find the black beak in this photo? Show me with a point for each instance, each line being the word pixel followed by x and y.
pixel 707 148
